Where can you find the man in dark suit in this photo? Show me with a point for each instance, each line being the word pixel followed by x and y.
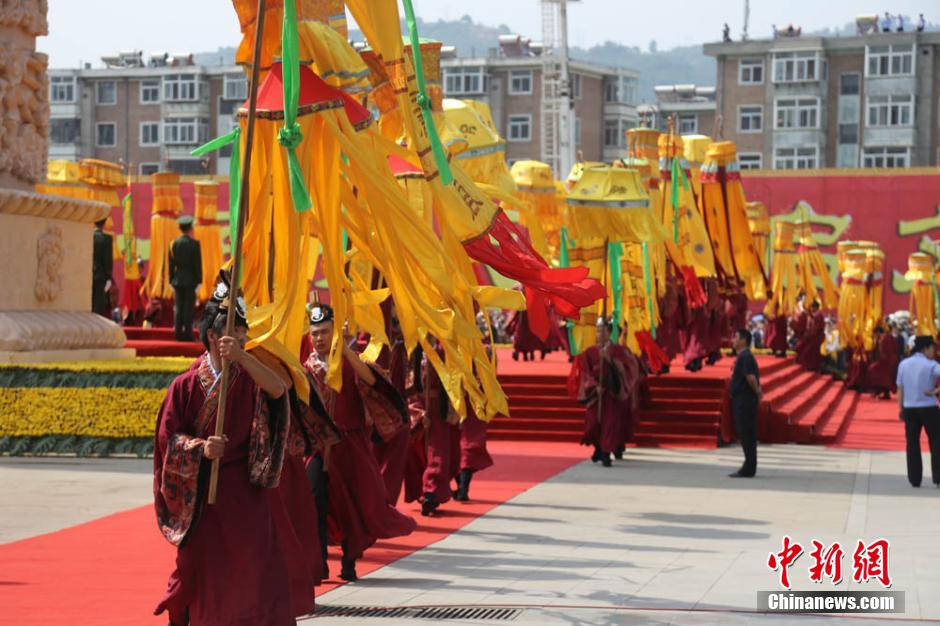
pixel 745 400
pixel 185 277
pixel 102 266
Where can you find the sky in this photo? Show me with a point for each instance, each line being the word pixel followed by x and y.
pixel 83 31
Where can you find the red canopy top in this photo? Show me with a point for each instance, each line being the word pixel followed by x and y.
pixel 315 95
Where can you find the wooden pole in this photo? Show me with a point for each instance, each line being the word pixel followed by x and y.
pixel 600 363
pixel 237 244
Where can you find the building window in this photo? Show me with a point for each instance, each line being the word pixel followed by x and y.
pixel 797 113
pixel 750 119
pixel 105 134
pixel 235 87
pixel 577 131
pixel 886 157
pixel 460 81
pixel 520 82
pixel 849 84
pixel 150 133
pixel 805 158
pixel 848 134
pixel 180 88
pixel 576 86
pixel 64 130
pixel 751 72
pixel 889 60
pixel 628 90
pixel 185 131
pixel 750 160
pixel 520 128
pixel 187 167
pixel 105 92
pixel 612 91
pixel 890 110
pixel 146 169
pixel 149 91
pixel 793 67
pixel 61 89
pixel 613 138
pixel 688 123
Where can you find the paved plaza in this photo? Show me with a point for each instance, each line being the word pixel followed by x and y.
pixel 664 537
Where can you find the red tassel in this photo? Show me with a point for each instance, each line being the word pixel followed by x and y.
pixel 693 288
pixel 654 354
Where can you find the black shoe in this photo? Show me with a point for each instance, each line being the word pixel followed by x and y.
pixel 515 355
pixel 915 486
pixel 429 505
pixel 463 485
pixel 618 453
pixel 740 474
pixel 664 370
pixel 348 573
pixel 606 461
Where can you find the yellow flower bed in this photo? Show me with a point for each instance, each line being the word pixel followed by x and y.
pixel 81 411
pixel 139 364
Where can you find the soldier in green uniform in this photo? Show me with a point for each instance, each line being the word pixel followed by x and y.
pixel 185 277
pixel 101 271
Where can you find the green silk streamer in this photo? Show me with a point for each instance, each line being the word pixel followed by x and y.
pixel 649 287
pixel 234 173
pixel 423 101
pixel 614 254
pixel 677 175
pixel 290 136
pixel 564 261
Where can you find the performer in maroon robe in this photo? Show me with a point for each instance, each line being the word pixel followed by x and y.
pixel 776 337
pixel 359 512
pixel 667 333
pixel 633 376
pixel 700 336
pixel 230 564
pixel 883 370
pixel 808 348
pixel 441 437
pixel 524 341
pixel 474 456
pixel 391 451
pixel 603 379
pixel 800 321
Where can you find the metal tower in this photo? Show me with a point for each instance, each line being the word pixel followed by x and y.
pixel 557 114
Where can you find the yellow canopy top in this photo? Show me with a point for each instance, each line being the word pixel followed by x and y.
pixel 643 143
pixel 577 171
pixel 920 267
pixel 96 172
pixel 784 235
pixel 533 175
pixel 696 146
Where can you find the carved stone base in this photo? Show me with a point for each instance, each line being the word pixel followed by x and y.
pixel 66 356
pixel 30 331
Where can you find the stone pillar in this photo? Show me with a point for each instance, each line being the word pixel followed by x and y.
pixel 45 241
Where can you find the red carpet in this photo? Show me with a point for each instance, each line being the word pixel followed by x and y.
pixel 875 425
pixel 160 342
pixel 112 571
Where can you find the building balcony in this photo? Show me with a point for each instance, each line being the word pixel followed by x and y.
pixel 194 108
pixel 889 136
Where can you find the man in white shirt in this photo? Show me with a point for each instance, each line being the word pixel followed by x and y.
pixel 917 396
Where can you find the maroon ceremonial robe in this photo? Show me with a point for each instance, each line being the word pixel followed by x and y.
pixel 523 339
pixel 604 430
pixel 883 370
pixel 776 337
pixel 230 566
pixel 808 347
pixel 632 377
pixel 392 454
pixel 442 436
pixel 473 453
pixel 667 333
pixel 856 374
pixel 359 512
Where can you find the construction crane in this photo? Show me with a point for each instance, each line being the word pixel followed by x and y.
pixel 557 114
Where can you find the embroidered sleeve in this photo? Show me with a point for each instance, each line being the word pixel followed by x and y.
pixel 383 405
pixel 317 427
pixel 180 487
pixel 269 432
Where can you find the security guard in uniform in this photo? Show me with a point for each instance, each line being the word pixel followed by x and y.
pixel 101 269
pixel 185 277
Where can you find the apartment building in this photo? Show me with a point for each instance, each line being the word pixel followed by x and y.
pixel 147 113
pixel 799 102
pixel 691 107
pixel 509 79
